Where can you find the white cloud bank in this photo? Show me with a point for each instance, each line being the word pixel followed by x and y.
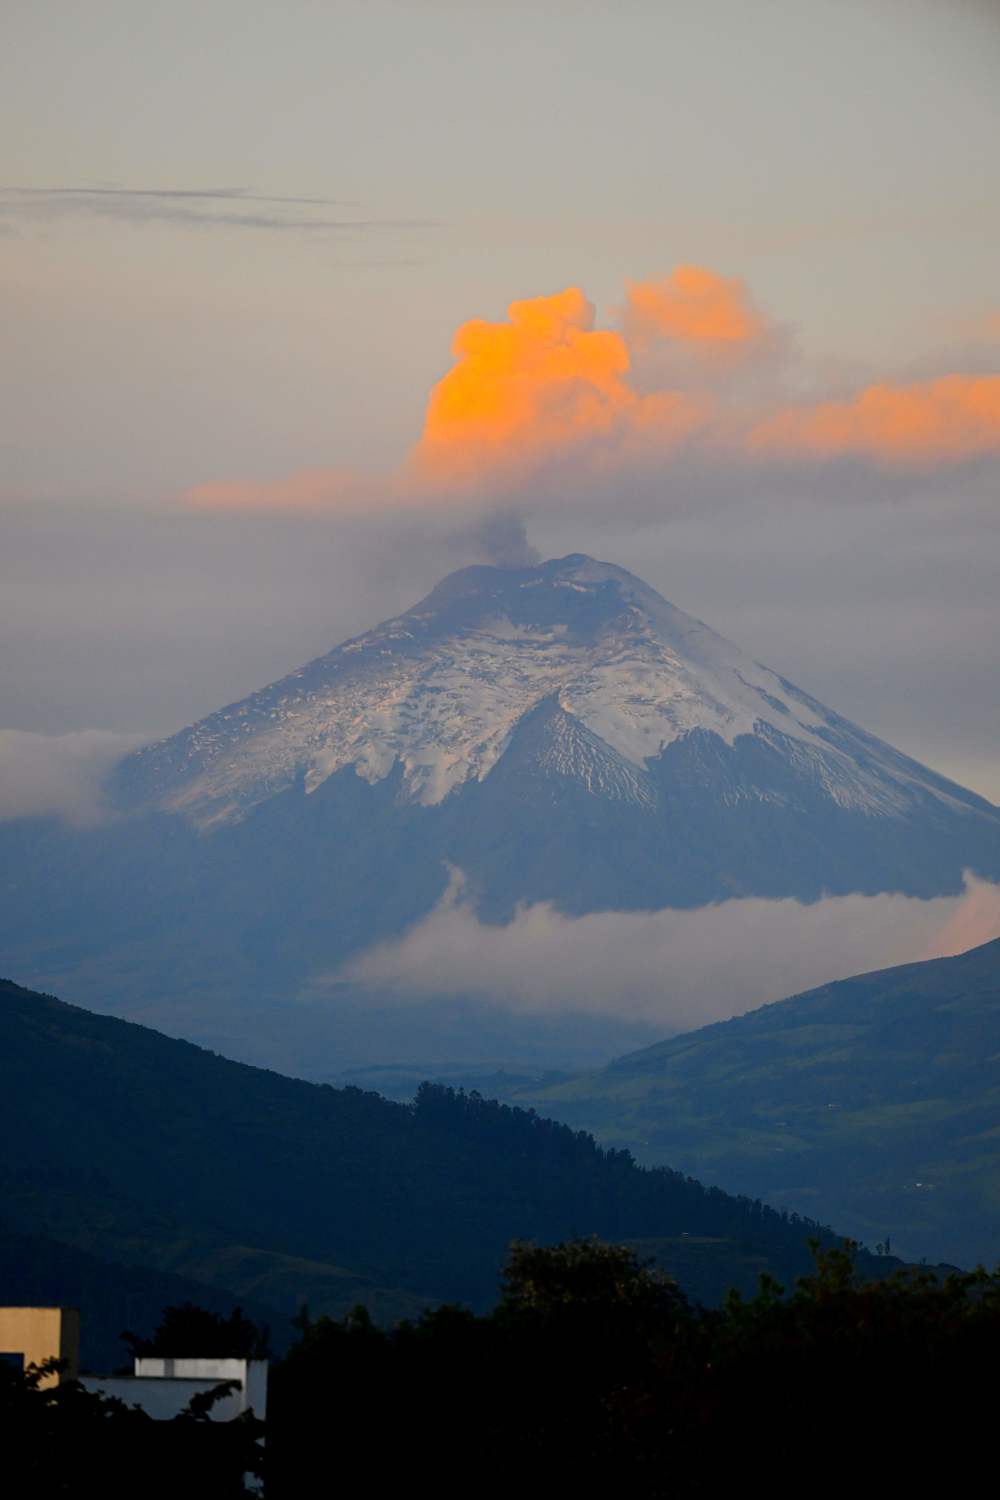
pixel 676 969
pixel 58 775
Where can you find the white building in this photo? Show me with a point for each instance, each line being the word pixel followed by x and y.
pixel 164 1387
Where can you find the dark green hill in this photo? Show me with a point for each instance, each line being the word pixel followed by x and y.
pixel 873 1103
pixel 142 1149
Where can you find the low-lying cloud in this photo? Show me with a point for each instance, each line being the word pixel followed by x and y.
pixel 675 969
pixel 58 775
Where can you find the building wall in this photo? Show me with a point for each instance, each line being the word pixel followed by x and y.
pixel 250 1373
pixel 41 1333
pixel 163 1387
pixel 160 1399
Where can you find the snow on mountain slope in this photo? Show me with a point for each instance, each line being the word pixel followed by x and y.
pixel 616 674
pixel 560 734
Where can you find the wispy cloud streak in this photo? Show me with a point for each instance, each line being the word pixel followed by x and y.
pixel 196 207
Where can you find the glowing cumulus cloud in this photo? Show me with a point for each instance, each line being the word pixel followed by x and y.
pixel 518 389
pixel 542 384
pixel 544 395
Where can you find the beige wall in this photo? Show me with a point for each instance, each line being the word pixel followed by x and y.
pixel 40 1333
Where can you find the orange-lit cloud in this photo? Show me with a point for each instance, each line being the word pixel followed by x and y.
pixel 976 920
pixel 950 419
pixel 319 490
pixel 543 384
pixel 694 305
pixel 542 400
pixel 543 380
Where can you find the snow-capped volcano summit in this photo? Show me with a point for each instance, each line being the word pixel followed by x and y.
pixel 597 670
pixel 557 733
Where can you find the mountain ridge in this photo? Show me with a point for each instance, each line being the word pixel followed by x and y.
pixel 873 1099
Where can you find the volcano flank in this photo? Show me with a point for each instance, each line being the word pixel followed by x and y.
pixel 558 733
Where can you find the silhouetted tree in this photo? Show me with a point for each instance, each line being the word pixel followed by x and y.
pixel 594 1375
pixel 63 1440
pixel 188 1331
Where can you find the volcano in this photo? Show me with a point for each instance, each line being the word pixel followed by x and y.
pixel 557 733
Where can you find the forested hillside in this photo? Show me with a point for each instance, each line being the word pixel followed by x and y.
pixel 872 1102
pixel 153 1152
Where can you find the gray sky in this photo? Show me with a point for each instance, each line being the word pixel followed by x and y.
pixel 236 241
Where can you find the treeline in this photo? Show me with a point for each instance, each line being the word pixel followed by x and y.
pixel 630 1201
pixel 596 1376
pixel 592 1376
